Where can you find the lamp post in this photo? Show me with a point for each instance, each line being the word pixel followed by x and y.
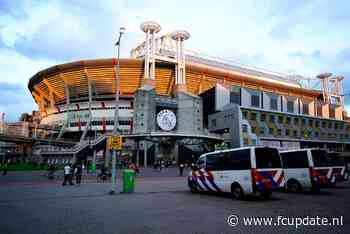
pixel 116 112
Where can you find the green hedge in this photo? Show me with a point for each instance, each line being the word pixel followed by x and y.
pixel 28 167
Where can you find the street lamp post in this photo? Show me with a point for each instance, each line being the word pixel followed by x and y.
pixel 116 112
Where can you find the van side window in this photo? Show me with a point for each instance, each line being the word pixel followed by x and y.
pixel 267 158
pixel 237 160
pixel 296 159
pixel 320 158
pixel 200 163
pixel 214 162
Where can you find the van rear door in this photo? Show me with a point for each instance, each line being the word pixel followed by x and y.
pixel 268 173
pixel 321 170
pixel 338 166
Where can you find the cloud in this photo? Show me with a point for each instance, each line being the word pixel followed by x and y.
pixel 298 37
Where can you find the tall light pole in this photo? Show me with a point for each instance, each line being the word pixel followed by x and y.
pixel 116 112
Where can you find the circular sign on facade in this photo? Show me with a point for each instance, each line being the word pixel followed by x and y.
pixel 166 120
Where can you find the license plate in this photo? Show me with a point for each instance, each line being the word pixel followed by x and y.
pixel 266 181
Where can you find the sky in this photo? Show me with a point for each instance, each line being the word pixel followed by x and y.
pixel 295 37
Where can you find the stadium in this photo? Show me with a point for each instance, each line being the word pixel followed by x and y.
pixel 79 97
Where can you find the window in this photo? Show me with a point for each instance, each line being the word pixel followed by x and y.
pixel 305 108
pixel 273 103
pixel 288 132
pixel 296 121
pixel 244 128
pixel 336 159
pixel 200 163
pixel 262 131
pixel 213 122
pixel 272 118
pixel 330 124
pixel 235 95
pixel 279 132
pixel 320 158
pixel 280 119
pixel 267 158
pixel 317 123
pixel 270 131
pixel 296 159
pixel 317 134
pixel 288 120
pixel 263 117
pixel 324 124
pixel 214 162
pixel 295 133
pixel 245 114
pixel 290 106
pixel 253 116
pixel 303 121
pixel 253 129
pixel 237 160
pixel 311 122
pixel 255 100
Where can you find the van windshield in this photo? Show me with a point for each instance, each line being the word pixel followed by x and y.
pixel 335 159
pixel 320 158
pixel 267 158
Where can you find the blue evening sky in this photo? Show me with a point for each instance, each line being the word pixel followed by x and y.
pixel 294 37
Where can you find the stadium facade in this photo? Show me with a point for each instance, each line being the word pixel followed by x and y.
pixel 172 92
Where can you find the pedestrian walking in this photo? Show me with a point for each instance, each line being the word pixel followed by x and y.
pixel 4 171
pixel 181 167
pixel 78 171
pixel 67 174
pixel 166 165
pixel 51 172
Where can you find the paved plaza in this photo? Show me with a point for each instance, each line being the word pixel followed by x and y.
pixel 160 204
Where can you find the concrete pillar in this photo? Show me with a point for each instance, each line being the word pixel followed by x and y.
pixel 137 153
pixel 145 147
pixel 156 151
pixel 94 156
pixel 107 157
pixel 176 151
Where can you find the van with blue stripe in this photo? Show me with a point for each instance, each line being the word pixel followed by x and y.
pixel 241 171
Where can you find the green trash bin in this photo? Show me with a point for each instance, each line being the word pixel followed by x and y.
pixel 128 181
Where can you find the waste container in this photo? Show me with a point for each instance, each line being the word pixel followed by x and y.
pixel 128 181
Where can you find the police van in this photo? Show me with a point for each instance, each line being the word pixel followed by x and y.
pixel 338 166
pixel 241 171
pixel 306 169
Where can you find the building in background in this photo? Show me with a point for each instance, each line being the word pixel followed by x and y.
pixel 169 95
pixel 286 119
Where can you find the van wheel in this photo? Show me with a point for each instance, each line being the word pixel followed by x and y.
pixel 294 186
pixel 237 191
pixel 193 188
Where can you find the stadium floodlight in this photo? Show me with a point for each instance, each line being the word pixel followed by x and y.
pixel 116 112
pixel 121 32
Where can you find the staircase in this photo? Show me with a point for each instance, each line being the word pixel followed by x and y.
pixel 77 148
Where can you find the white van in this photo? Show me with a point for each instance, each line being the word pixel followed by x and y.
pixel 338 166
pixel 306 169
pixel 248 170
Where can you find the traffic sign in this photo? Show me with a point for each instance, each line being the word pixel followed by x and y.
pixel 115 142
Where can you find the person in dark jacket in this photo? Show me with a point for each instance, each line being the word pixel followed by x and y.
pixel 78 173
